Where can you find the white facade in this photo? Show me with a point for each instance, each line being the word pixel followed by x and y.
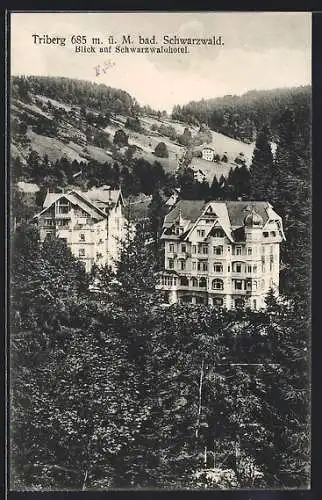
pixel 208 154
pixel 221 253
pixel 92 224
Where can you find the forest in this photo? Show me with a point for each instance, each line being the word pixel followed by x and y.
pixel 110 389
pixel 241 117
pixel 75 92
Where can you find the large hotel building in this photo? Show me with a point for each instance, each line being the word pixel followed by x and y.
pixel 221 253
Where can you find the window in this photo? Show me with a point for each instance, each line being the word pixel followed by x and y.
pixel 205 249
pixel 171 247
pixel 238 251
pixel 81 252
pixel 201 232
pixel 273 233
pixel 194 248
pixel 228 249
pixel 254 268
pixel 194 282
pixel 193 265
pixel 62 222
pixel 82 237
pixel 249 285
pixel 167 280
pixel 170 263
pixel 218 233
pixel 182 265
pixel 228 268
pixel 217 284
pixel 238 285
pixel 254 304
pixel 183 248
pixel 237 267
pixel 249 269
pixel 203 283
pixel 265 234
pixel 218 268
pixel 239 303
pixel 184 281
pixel 249 251
pixel 202 265
pixel 63 206
pixel 218 250
pixel 49 222
pixel 218 301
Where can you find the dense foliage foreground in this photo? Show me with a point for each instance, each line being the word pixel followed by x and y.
pixel 112 389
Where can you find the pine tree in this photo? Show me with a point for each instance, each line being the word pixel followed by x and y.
pixel 214 189
pixel 291 200
pixel 156 213
pixel 262 168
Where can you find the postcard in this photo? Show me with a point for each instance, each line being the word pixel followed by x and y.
pixel 160 242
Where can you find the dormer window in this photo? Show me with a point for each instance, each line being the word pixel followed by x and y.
pixel 218 233
pixel 63 206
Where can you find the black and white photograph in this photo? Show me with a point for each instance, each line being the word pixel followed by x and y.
pixel 160 250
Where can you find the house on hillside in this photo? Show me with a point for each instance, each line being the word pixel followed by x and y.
pixel 199 175
pixel 223 254
pixel 207 153
pixel 173 198
pixel 92 223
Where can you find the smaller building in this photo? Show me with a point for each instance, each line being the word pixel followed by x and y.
pixel 208 153
pixel 92 223
pixel 199 175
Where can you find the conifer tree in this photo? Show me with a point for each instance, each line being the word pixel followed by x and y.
pixel 262 168
pixel 214 189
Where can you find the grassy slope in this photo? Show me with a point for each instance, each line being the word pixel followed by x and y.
pixel 147 141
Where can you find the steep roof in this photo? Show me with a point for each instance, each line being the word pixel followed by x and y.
pixel 190 210
pixel 237 211
pixel 231 214
pixel 75 198
pixel 98 198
